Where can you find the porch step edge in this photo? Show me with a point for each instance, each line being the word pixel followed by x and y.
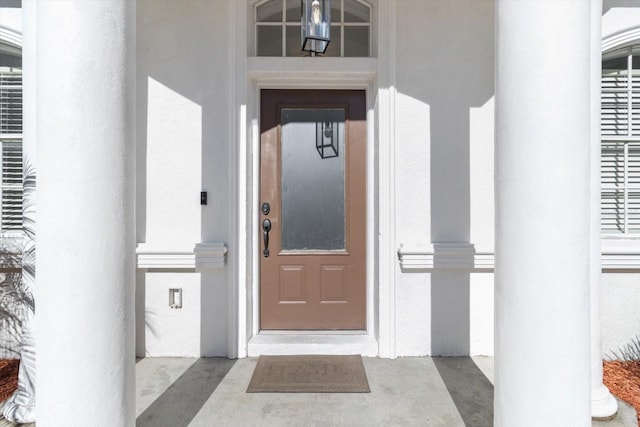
pixel 297 344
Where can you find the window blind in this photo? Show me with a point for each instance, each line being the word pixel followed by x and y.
pixel 11 150
pixel 11 102
pixel 620 134
pixel 614 113
pixel 633 184
pixel 612 176
pixel 620 166
pixel 11 185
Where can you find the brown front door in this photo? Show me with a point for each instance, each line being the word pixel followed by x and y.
pixel 313 209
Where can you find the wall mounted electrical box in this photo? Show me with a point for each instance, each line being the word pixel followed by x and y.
pixel 175 297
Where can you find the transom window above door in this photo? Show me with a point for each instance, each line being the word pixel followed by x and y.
pixel 277 29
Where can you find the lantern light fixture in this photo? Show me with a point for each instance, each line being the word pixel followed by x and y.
pixel 327 139
pixel 315 25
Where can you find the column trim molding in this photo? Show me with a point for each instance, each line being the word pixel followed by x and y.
pixel 464 256
pixel 386 111
pixel 438 256
pixel 242 263
pixel 202 256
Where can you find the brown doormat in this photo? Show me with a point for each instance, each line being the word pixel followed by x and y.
pixel 309 374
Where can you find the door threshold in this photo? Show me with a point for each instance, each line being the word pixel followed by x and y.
pixel 311 332
pixel 312 342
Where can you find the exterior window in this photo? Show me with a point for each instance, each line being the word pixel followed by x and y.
pixel 277 24
pixel 11 149
pixel 620 129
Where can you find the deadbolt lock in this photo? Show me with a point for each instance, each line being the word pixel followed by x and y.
pixel 266 208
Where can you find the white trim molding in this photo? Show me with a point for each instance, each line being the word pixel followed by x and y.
pixel 311 70
pixel 210 255
pixel 386 179
pixel 463 256
pixel 298 73
pixel 241 195
pixel 11 37
pixel 203 256
pixel 444 256
pixel 155 257
pixel 621 39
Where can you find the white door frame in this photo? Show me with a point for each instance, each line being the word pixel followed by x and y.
pixel 249 75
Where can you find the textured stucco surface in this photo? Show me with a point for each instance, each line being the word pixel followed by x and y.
pixel 444 131
pixel 620 316
pixel 183 149
pixel 444 170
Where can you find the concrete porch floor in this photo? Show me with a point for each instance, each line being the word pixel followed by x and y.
pixel 423 391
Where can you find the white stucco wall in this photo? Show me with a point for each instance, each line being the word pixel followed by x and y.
pixel 170 331
pixel 620 316
pixel 444 174
pixel 444 155
pixel 183 149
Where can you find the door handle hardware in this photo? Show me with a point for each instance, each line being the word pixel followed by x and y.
pixel 266 227
pixel 266 208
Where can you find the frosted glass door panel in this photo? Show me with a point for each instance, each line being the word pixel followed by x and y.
pixel 312 179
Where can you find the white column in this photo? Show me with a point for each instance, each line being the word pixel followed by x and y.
pixel 603 405
pixel 542 332
pixel 86 238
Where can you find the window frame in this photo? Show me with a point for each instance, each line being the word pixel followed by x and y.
pixel 284 24
pixel 629 138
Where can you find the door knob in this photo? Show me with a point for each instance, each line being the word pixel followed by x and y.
pixel 266 227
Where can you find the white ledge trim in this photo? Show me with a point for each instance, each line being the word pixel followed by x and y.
pixel 443 256
pixel 210 255
pixel 203 256
pixel 464 256
pixel 311 69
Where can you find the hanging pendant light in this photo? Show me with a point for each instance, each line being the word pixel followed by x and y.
pixel 327 139
pixel 315 25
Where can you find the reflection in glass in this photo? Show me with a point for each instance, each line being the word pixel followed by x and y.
pixel 336 40
pixel 293 11
pixel 355 12
pixel 269 12
pixel 313 189
pixel 293 41
pixel 356 41
pixel 269 41
pixel 335 11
